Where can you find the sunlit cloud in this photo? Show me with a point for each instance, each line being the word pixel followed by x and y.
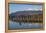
pixel 29 9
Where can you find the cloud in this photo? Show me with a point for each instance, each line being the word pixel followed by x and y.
pixel 41 9
pixel 33 9
pixel 29 9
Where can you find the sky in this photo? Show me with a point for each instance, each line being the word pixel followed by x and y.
pixel 21 7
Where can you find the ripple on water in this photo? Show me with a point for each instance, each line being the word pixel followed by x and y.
pixel 13 25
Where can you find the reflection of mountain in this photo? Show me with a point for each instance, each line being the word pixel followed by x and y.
pixel 25 15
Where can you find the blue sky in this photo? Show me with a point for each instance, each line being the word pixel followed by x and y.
pixel 20 7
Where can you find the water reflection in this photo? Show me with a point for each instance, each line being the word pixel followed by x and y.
pixel 21 25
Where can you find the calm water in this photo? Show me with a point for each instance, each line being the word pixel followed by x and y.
pixel 17 25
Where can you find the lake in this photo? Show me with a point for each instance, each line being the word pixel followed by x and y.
pixel 22 25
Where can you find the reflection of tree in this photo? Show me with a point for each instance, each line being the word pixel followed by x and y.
pixel 19 23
